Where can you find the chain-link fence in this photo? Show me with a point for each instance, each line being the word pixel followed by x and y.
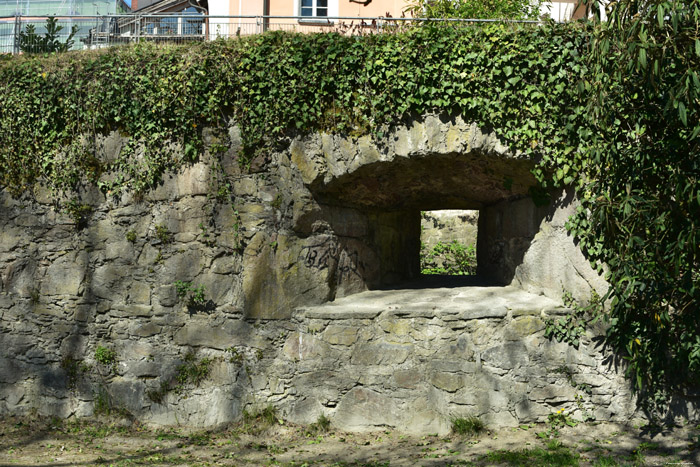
pixel 24 34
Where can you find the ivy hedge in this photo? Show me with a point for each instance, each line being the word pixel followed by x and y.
pixel 610 108
pixel 516 79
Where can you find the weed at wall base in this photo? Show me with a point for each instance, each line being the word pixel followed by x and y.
pixel 259 420
pixel 468 426
pixel 191 373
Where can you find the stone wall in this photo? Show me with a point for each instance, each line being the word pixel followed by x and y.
pixel 415 359
pixel 446 226
pixel 527 245
pixel 328 218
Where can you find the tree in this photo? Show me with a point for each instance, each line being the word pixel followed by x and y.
pixel 640 187
pixel 31 42
pixel 476 9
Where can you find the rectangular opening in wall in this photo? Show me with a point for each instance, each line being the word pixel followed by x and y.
pixel 448 242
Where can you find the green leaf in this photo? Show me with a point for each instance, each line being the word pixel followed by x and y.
pixel 682 113
pixel 696 132
pixel 642 58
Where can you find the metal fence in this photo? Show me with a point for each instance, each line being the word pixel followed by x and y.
pixel 24 34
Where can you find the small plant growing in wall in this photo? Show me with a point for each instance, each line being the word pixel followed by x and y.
pixel 34 296
pixel 236 355
pixel 572 327
pixel 131 236
pixel 73 368
pixel 105 404
pixel 237 237
pixel 206 236
pixel 468 426
pixel 159 257
pixel 158 395
pixel 163 234
pixel 321 425
pixel 260 419
pixel 106 357
pixel 191 372
pixel 78 212
pixel 192 296
pixel 104 401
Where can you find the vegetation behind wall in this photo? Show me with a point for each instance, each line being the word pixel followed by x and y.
pixel 611 109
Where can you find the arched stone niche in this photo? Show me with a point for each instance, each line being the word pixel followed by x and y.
pixel 366 199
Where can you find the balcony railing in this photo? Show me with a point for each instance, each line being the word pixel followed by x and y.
pixel 104 31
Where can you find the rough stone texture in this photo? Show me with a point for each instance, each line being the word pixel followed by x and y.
pixel 467 168
pixel 522 244
pixel 449 225
pixel 415 371
pixel 328 218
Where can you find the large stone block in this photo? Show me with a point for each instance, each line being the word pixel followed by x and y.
pixel 10 371
pixel 208 333
pixel 65 275
pixel 300 346
pixel 341 335
pixel 107 281
pixel 363 409
pixel 449 382
pixel 506 356
pixel 20 277
pixel 408 379
pixel 523 327
pixel 380 354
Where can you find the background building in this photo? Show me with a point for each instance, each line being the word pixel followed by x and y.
pixel 62 7
pixel 15 15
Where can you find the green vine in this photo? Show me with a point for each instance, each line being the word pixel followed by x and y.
pixel 56 110
pixel 637 171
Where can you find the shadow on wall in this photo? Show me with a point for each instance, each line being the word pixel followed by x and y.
pixel 355 249
pixel 526 245
pixel 67 291
pixel 505 233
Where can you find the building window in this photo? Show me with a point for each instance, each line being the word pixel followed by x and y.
pixel 314 8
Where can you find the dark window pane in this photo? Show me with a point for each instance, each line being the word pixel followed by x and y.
pixel 322 12
pixel 307 3
pixel 306 11
pixel 322 3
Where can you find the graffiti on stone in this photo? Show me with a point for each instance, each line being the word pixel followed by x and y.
pixel 329 254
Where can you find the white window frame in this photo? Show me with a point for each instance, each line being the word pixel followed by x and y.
pixel 332 12
pixel 314 9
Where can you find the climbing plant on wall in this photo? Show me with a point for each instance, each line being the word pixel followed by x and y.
pixel 54 109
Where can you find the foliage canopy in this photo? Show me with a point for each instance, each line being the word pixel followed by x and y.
pixel 638 177
pixel 481 9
